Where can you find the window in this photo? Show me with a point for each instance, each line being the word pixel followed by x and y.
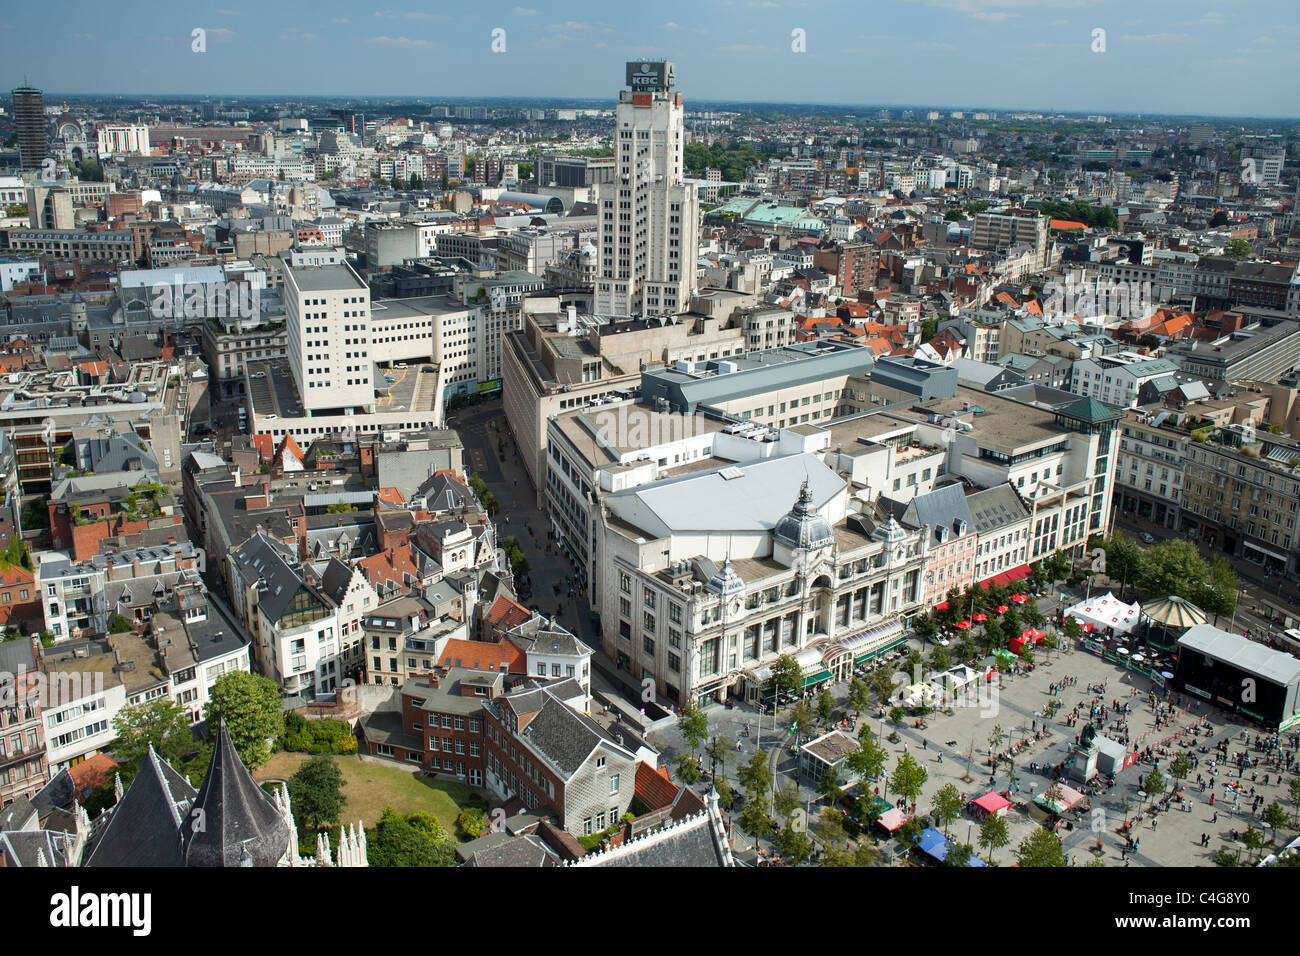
pixel 613 783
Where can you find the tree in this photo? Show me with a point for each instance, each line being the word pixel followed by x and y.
pixel 1154 784
pixel 1180 766
pixel 316 795
pixel 726 795
pixel 868 761
pixel 825 705
pixel 954 215
pixel 408 841
pixel 693 723
pixel 1123 561
pixel 996 737
pixel 1274 816
pixel 1254 840
pixel 161 724
pixel 755 776
pixel 946 805
pixel 959 854
pixel 1041 848
pixel 859 696
pixel 472 822
pixel 908 778
pixel 250 705
pixel 794 844
pixel 785 802
pixel 755 821
pixel 993 834
pixel 1237 249
pixel 1293 794
pixel 881 682
pixel 925 627
pixel 688 768
pixel 940 659
pixel 787 676
pixel 1173 567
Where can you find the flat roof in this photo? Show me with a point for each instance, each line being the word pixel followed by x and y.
pixel 1276 666
pixel 327 278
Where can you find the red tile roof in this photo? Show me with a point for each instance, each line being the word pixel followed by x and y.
pixel 14 574
pixel 484 656
pixel 91 773
pixel 389 566
pixel 654 788
pixel 506 614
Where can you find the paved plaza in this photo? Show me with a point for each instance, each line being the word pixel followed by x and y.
pixel 950 742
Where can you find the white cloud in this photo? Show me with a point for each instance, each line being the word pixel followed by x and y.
pixel 228 13
pixel 399 41
pixel 408 15
pixel 1162 39
pixel 745 48
pixel 670 25
pixel 525 12
pixel 340 20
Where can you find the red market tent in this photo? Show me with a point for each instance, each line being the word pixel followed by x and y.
pixel 981 617
pixel 1002 609
pixel 991 802
pixel 963 624
pixel 1018 598
pixel 891 820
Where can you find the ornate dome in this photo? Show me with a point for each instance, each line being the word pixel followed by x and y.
pixel 803 527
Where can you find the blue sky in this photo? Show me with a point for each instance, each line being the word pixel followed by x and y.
pixel 1226 57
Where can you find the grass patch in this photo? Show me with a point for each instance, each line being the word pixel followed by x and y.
pixel 368 788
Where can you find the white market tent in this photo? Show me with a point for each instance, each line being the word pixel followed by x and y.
pixel 1107 611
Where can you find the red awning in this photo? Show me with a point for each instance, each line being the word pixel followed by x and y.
pixel 1014 574
pixel 941 606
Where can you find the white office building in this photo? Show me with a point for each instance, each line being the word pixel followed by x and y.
pixel 649 215
pixel 328 321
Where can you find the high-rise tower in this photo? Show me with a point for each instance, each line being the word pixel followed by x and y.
pixel 29 123
pixel 649 216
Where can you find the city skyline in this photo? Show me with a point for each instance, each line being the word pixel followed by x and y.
pixel 409 52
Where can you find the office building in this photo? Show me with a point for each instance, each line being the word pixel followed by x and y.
pixel 649 216
pixel 29 124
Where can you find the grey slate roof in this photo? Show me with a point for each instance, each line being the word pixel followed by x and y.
pixel 145 826
pixel 242 826
pixel 689 843
pixel 502 849
pixel 562 735
pixel 994 507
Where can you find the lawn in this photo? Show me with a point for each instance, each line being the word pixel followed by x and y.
pixel 368 788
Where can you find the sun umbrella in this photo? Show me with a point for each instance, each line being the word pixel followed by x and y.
pixel 1018 598
pixel 981 617
pixel 1138 657
pixel 1002 609
pixel 1123 650
pixel 963 624
pixel 1166 675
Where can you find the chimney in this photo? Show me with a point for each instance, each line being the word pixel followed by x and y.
pixel 237 477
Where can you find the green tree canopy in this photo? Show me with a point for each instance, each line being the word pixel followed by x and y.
pixel 908 778
pixel 251 707
pixel 316 795
pixel 1041 848
pixel 408 841
pixel 161 723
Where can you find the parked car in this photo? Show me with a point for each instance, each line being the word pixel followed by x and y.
pixel 1147 537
